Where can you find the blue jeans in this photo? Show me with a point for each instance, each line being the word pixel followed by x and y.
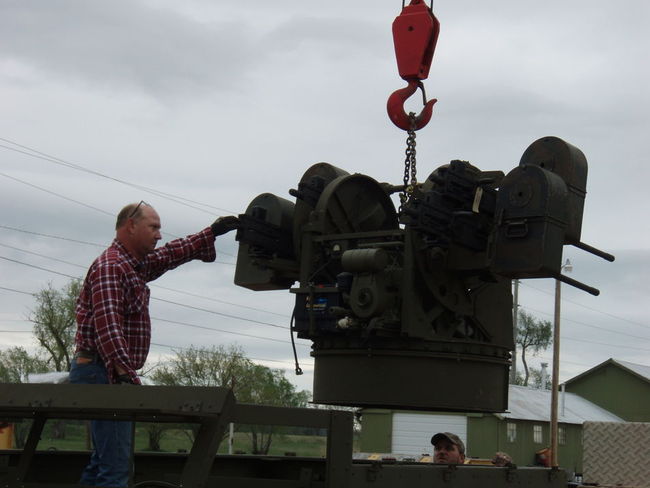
pixel 111 457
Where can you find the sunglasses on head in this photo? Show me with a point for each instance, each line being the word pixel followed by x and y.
pixel 135 210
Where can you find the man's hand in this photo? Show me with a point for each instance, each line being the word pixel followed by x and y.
pixel 125 379
pixel 224 224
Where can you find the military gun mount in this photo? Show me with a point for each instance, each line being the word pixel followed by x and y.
pixel 417 315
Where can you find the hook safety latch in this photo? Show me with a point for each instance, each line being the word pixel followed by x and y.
pixel 415 33
pixel 398 115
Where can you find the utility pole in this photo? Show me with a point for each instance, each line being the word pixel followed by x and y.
pixel 515 314
pixel 556 365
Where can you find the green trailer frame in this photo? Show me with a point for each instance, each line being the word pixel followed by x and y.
pixel 213 409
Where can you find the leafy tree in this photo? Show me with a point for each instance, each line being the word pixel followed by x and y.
pixel 251 383
pixel 533 335
pixel 262 385
pixel 195 367
pixel 217 366
pixel 55 324
pixel 16 364
pixel 54 328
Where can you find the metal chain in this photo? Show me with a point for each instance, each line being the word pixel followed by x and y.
pixel 410 169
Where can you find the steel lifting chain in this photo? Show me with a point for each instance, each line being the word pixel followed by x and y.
pixel 415 34
pixel 410 169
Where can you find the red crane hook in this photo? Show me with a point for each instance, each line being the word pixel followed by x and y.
pixel 415 33
pixel 397 114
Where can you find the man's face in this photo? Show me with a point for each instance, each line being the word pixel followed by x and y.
pixel 446 452
pixel 146 231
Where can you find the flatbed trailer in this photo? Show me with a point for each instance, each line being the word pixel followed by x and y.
pixel 213 409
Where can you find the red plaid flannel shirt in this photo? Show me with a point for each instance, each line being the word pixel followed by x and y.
pixel 113 306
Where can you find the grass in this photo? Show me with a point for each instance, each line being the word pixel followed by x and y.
pixel 175 439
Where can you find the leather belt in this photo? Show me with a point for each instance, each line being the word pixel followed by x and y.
pixel 85 357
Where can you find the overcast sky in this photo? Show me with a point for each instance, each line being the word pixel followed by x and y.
pixel 217 102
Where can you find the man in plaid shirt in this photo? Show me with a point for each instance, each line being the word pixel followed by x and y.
pixel 113 325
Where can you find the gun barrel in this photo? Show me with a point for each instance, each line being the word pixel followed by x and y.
pixel 593 250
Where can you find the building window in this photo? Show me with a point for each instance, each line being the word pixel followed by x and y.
pixel 511 432
pixel 538 437
pixel 561 436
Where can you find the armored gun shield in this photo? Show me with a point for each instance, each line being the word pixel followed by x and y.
pixel 266 258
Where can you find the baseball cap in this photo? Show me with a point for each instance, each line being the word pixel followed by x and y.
pixel 453 438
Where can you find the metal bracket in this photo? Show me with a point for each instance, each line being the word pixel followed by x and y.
pixel 449 473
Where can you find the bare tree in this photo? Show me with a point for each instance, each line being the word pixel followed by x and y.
pixel 533 336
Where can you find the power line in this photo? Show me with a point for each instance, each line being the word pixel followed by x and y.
pixel 605 344
pixel 153 286
pixel 245 357
pixel 178 323
pixel 225 331
pixel 563 361
pixel 16 291
pixel 93 243
pixel 39 267
pixel 588 325
pixel 196 326
pixel 609 314
pixel 24 231
pixel 84 267
pixel 261 322
pixel 570 362
pixel 41 255
pixel 71 199
pixel 588 308
pixel 221 314
pixel 220 301
pixel 158 299
pixel 156 192
pixel 62 162
pixel 186 324
pixel 57 194
pixel 52 236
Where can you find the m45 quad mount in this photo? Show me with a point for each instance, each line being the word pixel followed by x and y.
pixel 414 310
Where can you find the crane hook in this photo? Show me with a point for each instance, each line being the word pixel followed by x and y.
pixel 415 33
pixel 398 115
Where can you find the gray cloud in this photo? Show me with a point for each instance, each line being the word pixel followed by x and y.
pixel 125 44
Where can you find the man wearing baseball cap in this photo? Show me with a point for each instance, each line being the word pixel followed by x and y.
pixel 448 448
